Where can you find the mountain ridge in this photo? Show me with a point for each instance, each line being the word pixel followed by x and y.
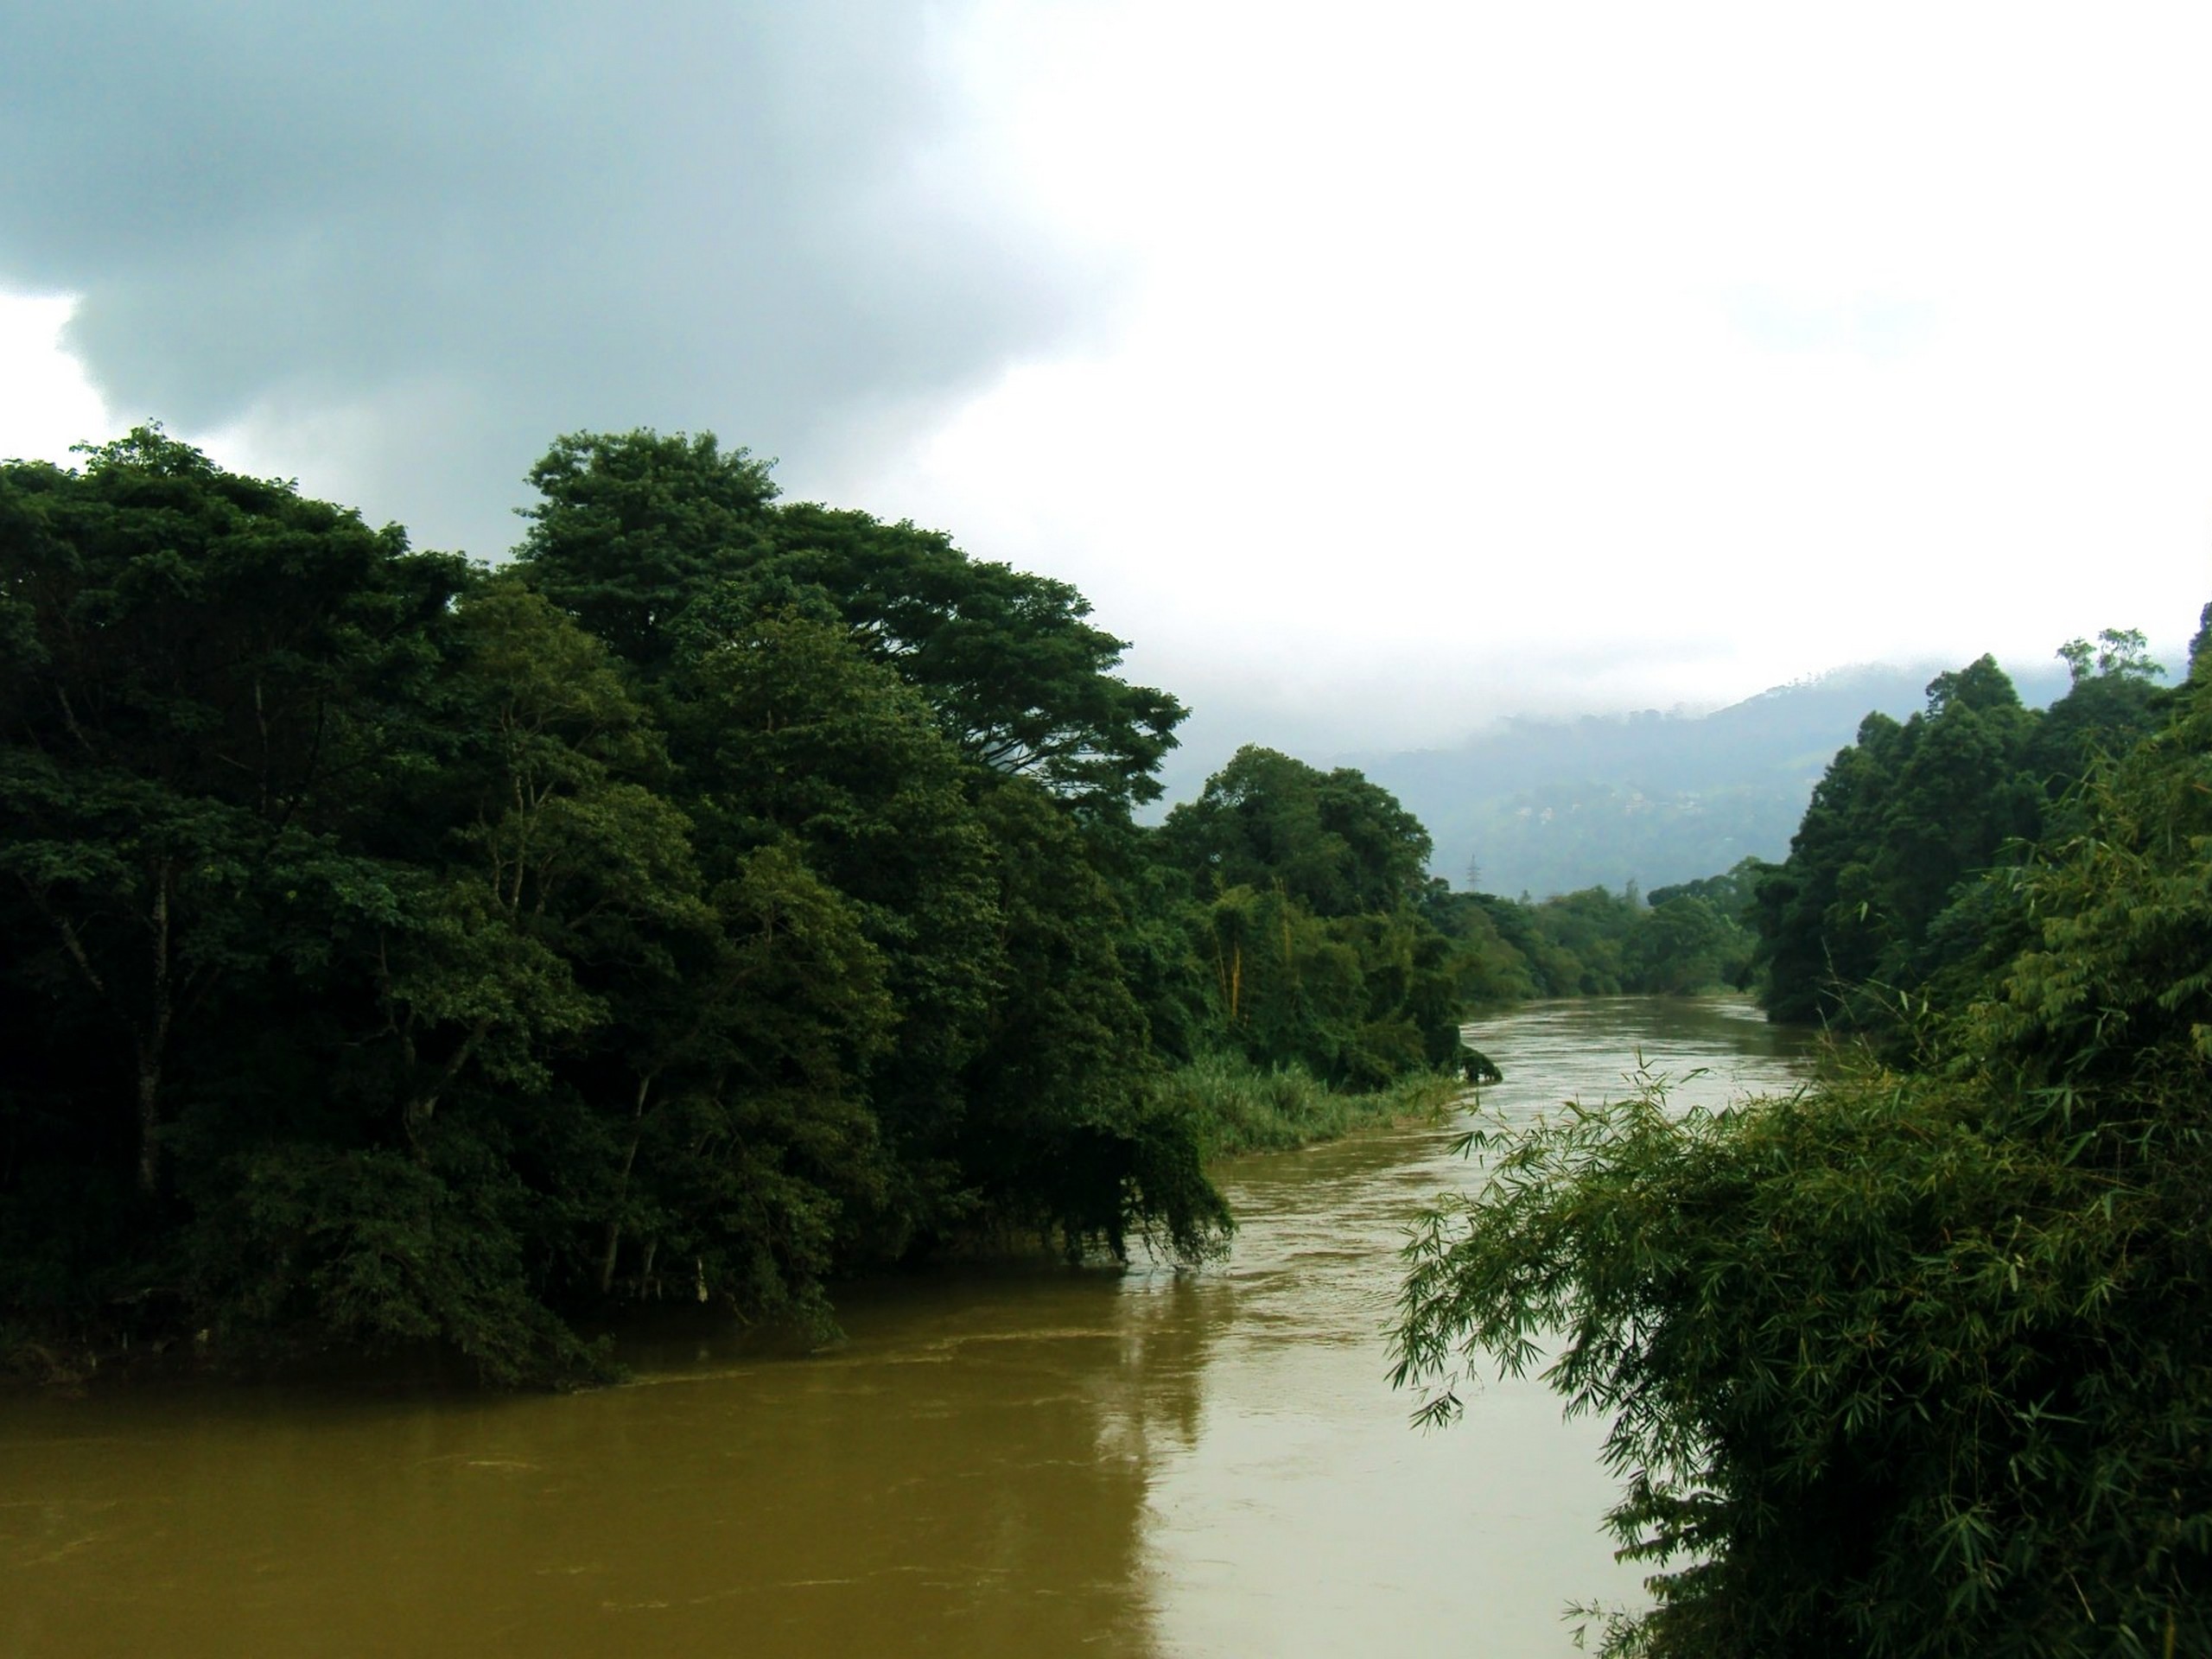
pixel 1542 805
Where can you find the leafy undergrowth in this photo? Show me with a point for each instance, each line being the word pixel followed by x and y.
pixel 1239 1108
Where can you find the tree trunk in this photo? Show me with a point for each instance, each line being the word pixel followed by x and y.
pixel 149 1163
pixel 153 1041
pixel 622 1186
pixel 415 1115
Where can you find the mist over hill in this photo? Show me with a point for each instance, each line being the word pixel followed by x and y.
pixel 1545 806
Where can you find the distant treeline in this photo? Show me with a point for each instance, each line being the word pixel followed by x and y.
pixel 719 897
pixel 1686 938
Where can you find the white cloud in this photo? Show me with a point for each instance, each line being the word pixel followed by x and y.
pixel 48 403
pixel 1532 356
pixel 1453 361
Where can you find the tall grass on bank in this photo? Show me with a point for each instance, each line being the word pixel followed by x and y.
pixel 1240 1108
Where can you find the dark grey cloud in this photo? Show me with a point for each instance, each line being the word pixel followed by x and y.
pixel 435 235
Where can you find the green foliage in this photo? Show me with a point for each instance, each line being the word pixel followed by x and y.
pixel 374 1249
pixel 726 897
pixel 1022 683
pixel 2113 991
pixel 1904 821
pixel 1491 938
pixel 1912 1362
pixel 733 896
pixel 631 529
pixel 1883 1375
pixel 1238 1108
pixel 1688 945
pixel 214 677
pixel 668 547
pixel 1333 842
pixel 1059 1130
pixel 1312 920
pixel 1690 937
pixel 2103 714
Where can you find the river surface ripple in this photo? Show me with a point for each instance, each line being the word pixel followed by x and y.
pixel 1017 1462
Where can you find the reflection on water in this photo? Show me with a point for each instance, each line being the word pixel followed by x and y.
pixel 1011 1462
pixel 966 1475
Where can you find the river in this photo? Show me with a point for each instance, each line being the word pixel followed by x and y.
pixel 1018 1461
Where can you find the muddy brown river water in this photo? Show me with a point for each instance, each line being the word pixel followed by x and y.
pixel 1023 1461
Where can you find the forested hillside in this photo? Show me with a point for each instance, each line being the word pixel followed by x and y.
pixel 1880 899
pixel 1918 1360
pixel 1550 806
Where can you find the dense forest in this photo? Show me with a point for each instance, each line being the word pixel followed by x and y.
pixel 1919 1361
pixel 721 896
pixel 1881 903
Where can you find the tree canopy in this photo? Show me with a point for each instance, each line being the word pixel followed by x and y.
pixel 664 545
pixel 1907 819
pixel 725 896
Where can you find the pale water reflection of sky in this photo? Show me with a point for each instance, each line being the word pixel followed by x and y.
pixel 1377 372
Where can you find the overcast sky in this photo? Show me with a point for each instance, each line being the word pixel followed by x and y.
pixel 1377 371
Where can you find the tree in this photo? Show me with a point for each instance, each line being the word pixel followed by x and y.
pixel 731 1100
pixel 564 859
pixel 1063 1130
pixel 1683 944
pixel 728 896
pixel 414 1204
pixel 1818 930
pixel 2111 703
pixel 1024 684
pixel 1696 935
pixel 212 677
pixel 2119 654
pixel 1900 820
pixel 1488 933
pixel 790 736
pixel 2114 985
pixel 1591 930
pixel 663 545
pixel 632 528
pixel 1287 986
pixel 1313 915
pixel 1336 842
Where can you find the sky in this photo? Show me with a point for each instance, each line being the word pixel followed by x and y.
pixel 1379 373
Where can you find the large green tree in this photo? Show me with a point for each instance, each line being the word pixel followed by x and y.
pixel 631 529
pixel 1336 842
pixel 662 543
pixel 211 682
pixel 1308 905
pixel 1023 681
pixel 1900 820
pixel 725 896
pixel 790 736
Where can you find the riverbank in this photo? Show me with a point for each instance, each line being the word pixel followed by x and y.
pixel 1001 1458
pixel 1239 1108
